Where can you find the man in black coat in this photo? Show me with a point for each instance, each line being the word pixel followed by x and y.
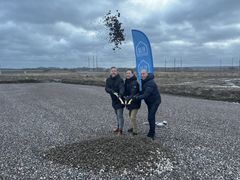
pixel 152 98
pixel 115 87
pixel 131 90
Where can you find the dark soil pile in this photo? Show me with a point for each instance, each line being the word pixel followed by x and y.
pixel 122 155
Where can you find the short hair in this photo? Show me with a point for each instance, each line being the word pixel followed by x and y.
pixel 130 70
pixel 113 67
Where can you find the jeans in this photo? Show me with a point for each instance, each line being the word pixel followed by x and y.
pixel 120 119
pixel 152 109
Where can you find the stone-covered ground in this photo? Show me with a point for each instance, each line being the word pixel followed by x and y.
pixel 63 131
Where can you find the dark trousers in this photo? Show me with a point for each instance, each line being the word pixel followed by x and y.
pixel 152 109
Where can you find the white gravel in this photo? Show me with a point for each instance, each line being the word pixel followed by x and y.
pixel 202 135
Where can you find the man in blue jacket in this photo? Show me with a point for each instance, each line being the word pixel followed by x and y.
pixel 152 98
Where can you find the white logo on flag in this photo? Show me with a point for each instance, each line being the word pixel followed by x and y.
pixel 143 65
pixel 141 49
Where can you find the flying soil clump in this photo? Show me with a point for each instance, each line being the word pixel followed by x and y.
pixel 116 32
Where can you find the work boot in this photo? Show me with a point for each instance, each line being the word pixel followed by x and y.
pixel 116 130
pixel 134 133
pixel 152 136
pixel 120 132
pixel 130 130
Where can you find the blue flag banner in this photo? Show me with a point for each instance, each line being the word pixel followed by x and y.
pixel 143 53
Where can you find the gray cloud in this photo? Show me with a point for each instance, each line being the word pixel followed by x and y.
pixel 65 33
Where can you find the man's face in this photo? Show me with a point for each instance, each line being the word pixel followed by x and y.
pixel 114 72
pixel 129 74
pixel 144 74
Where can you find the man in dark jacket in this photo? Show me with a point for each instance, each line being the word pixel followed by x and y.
pixel 152 98
pixel 115 87
pixel 131 90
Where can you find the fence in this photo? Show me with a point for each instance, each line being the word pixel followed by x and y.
pixel 169 64
pixel 164 64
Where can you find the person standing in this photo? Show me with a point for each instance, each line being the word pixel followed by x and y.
pixel 115 87
pixel 131 90
pixel 152 98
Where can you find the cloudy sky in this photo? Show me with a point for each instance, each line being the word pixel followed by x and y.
pixel 66 33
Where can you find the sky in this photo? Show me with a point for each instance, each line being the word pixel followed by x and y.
pixel 70 33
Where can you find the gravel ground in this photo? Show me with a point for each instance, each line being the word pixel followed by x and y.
pixel 63 131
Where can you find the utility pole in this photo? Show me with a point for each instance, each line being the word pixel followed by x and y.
pixel 181 63
pixel 232 63
pixel 93 63
pixel 96 62
pixel 165 64
pixel 88 63
pixel 220 65
pixel 174 64
pixel 239 64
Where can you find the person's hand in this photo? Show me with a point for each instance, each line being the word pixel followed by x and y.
pixel 127 98
pixel 116 94
pixel 112 91
pixel 109 90
pixel 135 98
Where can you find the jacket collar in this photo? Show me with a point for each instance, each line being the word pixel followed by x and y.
pixel 116 77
